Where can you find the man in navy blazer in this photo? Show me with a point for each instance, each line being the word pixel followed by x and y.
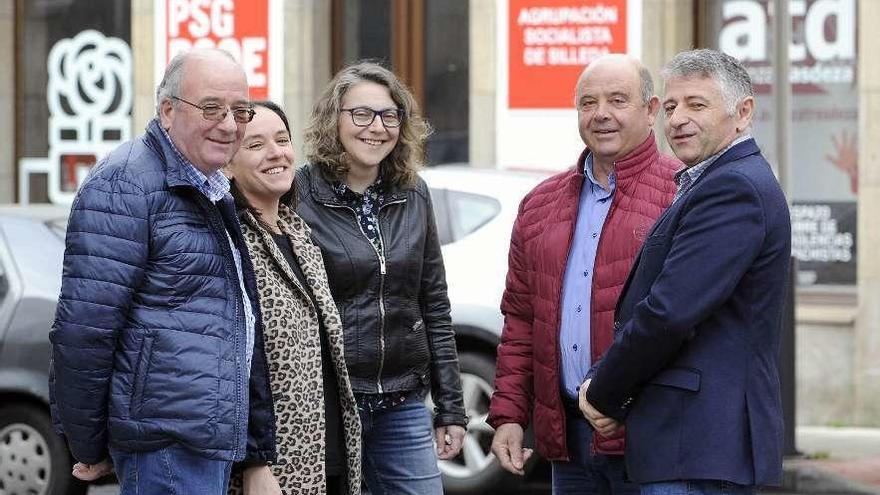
pixel 693 369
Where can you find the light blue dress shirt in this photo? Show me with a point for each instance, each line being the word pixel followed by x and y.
pixel 577 284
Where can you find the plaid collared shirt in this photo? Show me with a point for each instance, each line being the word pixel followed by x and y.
pixel 686 177
pixel 215 187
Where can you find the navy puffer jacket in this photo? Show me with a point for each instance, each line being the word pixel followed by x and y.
pixel 148 345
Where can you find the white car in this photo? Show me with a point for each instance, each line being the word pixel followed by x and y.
pixel 475 210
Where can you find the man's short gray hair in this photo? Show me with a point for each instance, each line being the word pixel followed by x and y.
pixel 732 77
pixel 171 80
pixel 647 83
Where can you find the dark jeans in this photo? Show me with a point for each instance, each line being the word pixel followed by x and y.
pixel 172 470
pixel 697 487
pixel 584 473
pixel 398 450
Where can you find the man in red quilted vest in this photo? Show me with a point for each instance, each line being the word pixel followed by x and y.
pixel 572 245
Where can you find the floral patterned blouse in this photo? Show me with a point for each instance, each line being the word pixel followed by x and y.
pixel 366 208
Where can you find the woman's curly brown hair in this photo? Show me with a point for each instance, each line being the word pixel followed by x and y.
pixel 323 147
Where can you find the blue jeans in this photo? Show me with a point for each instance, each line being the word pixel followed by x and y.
pixel 697 487
pixel 398 450
pixel 172 470
pixel 584 473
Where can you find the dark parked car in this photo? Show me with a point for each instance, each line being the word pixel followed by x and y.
pixel 33 459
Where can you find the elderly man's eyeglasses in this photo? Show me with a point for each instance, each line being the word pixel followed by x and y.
pixel 364 116
pixel 212 111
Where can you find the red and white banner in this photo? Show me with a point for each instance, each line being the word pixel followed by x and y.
pixel 250 30
pixel 550 43
pixel 543 47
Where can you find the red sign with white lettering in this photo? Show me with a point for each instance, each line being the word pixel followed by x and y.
pixel 240 27
pixel 550 43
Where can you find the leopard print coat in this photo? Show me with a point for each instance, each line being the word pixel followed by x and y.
pixel 293 351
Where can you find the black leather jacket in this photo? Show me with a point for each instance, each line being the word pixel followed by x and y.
pixel 395 311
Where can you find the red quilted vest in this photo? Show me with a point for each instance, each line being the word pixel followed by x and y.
pixel 527 372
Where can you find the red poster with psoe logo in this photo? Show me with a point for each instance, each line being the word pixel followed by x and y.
pixel 240 27
pixel 551 41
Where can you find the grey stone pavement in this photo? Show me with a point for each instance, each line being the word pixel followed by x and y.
pixel 843 460
pixel 834 461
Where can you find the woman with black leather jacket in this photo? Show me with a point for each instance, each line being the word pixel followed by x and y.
pixel 371 215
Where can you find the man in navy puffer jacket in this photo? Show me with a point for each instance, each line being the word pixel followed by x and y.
pixel 153 362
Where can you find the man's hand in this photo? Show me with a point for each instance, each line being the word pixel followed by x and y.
pixel 259 480
pixel 603 425
pixel 507 447
pixel 449 441
pixel 91 472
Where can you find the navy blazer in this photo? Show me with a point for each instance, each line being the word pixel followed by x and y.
pixel 693 368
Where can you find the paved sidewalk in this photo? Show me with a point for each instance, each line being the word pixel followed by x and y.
pixel 842 460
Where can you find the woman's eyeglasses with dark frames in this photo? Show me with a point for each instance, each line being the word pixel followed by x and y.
pixel 364 116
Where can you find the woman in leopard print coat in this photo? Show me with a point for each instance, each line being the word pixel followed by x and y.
pixel 317 427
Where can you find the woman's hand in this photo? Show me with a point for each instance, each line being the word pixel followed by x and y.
pixel 259 480
pixel 449 441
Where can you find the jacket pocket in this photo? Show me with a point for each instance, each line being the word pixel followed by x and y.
pixel 351 337
pixel 683 378
pixel 140 376
pixel 417 344
pixel 181 222
pixel 187 379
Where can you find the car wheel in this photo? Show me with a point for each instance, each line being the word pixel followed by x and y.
pixel 33 459
pixel 475 470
